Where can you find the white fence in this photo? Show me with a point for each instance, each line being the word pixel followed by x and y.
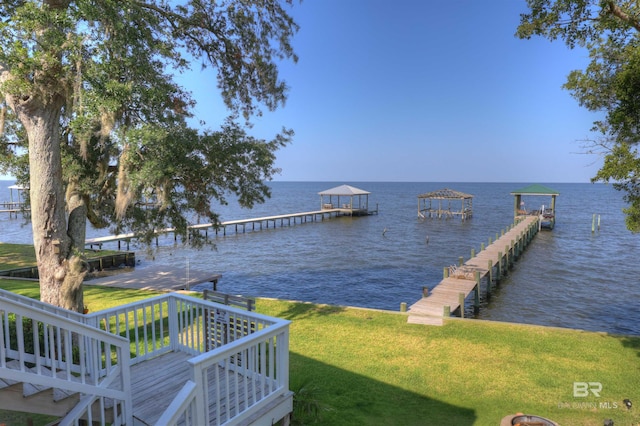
pixel 235 352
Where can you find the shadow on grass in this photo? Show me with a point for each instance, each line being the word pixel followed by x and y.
pixel 348 398
pixel 631 342
pixel 300 310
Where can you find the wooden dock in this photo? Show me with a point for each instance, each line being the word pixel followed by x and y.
pixel 241 225
pixel 158 278
pixel 13 208
pixel 489 265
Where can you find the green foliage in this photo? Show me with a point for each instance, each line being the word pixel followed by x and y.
pixel 369 367
pixel 610 84
pixel 307 403
pixel 107 69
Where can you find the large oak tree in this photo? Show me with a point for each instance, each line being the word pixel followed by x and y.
pixel 91 116
pixel 610 30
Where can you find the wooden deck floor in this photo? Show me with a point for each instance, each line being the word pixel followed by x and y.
pixel 156 382
pixel 430 309
pixel 160 278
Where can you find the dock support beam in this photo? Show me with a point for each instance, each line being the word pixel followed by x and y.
pixel 489 276
pixel 476 301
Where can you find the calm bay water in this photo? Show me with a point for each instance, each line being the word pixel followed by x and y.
pixel 568 277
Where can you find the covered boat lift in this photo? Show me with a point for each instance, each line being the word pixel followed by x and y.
pixel 445 197
pixel 15 205
pixel 348 199
pixel 547 213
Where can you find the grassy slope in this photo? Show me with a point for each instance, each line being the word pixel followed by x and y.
pixel 372 368
pixel 22 255
pixel 16 256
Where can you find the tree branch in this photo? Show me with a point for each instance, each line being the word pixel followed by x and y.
pixel 615 10
pixel 57 4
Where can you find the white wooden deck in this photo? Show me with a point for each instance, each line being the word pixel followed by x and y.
pixel 243 381
pixel 156 382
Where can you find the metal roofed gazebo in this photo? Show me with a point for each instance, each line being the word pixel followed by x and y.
pixel 445 195
pixel 19 191
pixel 547 213
pixel 358 199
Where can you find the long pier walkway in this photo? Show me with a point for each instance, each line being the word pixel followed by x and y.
pixel 242 224
pixel 490 264
pixel 13 208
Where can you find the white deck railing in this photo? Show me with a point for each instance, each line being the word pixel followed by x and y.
pixel 235 352
pixel 252 349
pixel 51 348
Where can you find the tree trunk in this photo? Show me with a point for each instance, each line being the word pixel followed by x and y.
pixel 60 265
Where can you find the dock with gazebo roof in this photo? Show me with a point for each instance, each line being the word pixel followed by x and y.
pixel 444 198
pixel 546 212
pixel 347 199
pixel 15 205
pixel 343 200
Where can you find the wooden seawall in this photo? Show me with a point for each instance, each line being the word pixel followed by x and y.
pixel 490 264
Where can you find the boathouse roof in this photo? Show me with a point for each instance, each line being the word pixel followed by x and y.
pixel 446 194
pixel 344 190
pixel 535 189
pixel 19 187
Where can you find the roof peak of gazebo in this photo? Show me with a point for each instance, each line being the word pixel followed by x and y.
pixel 445 193
pixel 535 189
pixel 344 190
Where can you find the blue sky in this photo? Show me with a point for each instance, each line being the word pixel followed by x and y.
pixel 421 90
pixel 424 90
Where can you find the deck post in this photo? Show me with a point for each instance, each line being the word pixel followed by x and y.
pixel 460 261
pixel 499 266
pixel 445 272
pixel 489 276
pixel 446 311
pixel 403 307
pixel 481 246
pixel 425 291
pixel 473 253
pixel 506 258
pixel 461 303
pixel 476 301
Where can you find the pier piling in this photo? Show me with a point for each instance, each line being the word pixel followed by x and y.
pixel 451 293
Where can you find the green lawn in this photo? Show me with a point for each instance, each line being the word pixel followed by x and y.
pixel 14 256
pixel 368 367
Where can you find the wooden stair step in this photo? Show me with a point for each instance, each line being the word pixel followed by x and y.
pixel 29 389
pixel 5 383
